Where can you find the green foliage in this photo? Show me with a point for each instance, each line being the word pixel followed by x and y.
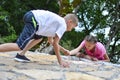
pixel 66 6
pixel 73 39
pixel 9 38
pixel 12 12
pixel 93 21
pixel 116 54
pixel 17 9
pixel 7 32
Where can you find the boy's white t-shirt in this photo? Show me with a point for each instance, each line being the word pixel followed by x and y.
pixel 49 23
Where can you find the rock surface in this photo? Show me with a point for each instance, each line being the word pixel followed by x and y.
pixel 45 67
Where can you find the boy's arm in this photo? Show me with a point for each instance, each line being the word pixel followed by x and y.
pixel 65 51
pixel 50 40
pixel 56 47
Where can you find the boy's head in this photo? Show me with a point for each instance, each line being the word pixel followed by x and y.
pixel 71 21
pixel 90 42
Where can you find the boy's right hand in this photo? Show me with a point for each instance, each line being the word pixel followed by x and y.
pixel 67 52
pixel 64 64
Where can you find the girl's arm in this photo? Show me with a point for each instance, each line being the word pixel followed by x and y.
pixel 76 50
pixel 106 58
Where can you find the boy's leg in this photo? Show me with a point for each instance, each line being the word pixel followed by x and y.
pixel 9 47
pixel 27 32
pixel 26 41
pixel 21 56
pixel 30 44
pixel 26 35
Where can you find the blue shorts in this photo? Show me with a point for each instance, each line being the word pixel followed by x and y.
pixel 28 30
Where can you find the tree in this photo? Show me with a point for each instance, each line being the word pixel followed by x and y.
pixel 92 20
pixel 114 33
pixel 12 12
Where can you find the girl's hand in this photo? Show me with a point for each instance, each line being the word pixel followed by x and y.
pixel 80 55
pixel 94 59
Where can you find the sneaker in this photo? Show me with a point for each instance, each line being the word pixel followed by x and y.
pixel 21 58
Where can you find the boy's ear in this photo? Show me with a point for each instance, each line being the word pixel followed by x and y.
pixel 70 21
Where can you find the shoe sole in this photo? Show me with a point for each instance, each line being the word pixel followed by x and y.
pixel 20 60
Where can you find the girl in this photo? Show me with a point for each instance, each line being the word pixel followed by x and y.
pixel 91 49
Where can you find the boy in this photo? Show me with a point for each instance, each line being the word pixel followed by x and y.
pixel 93 50
pixel 40 24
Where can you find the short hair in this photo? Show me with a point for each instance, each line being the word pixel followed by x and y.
pixel 91 38
pixel 72 17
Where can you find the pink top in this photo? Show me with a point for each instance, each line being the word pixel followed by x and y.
pixel 99 50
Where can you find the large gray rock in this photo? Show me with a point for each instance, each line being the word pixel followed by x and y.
pixel 46 67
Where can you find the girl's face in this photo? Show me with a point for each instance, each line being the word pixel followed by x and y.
pixel 89 45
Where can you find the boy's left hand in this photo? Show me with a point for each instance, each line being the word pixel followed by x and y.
pixel 64 64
